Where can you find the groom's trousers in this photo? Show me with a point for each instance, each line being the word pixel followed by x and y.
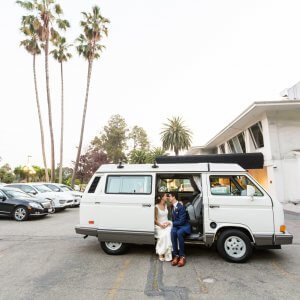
pixel 177 234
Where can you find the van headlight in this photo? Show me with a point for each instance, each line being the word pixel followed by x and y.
pixel 35 205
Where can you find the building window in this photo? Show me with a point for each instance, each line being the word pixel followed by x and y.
pixel 257 135
pixel 222 149
pixel 231 146
pixel 241 139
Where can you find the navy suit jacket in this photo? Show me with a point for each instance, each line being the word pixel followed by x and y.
pixel 180 218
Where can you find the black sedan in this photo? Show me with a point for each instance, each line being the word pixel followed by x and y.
pixel 20 206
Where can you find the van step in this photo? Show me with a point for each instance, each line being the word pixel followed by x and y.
pixel 194 237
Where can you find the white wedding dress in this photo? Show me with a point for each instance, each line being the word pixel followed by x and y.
pixel 163 235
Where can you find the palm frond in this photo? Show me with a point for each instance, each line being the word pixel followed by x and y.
pixel 28 5
pixel 58 10
pixel 94 27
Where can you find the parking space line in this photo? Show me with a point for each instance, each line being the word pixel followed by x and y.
pixel 120 277
pixel 202 286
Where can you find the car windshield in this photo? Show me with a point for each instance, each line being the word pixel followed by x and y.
pixel 16 194
pixel 66 188
pixel 42 188
pixel 54 188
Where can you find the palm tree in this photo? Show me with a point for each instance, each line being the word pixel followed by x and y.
pixel 47 12
pixel 61 54
pixel 31 45
pixel 175 136
pixel 94 27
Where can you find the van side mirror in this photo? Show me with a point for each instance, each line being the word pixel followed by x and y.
pixel 250 191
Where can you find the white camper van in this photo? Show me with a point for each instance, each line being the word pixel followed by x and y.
pixel 226 207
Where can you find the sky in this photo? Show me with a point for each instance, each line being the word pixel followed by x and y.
pixel 205 61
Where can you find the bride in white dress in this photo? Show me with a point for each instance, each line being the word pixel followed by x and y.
pixel 163 230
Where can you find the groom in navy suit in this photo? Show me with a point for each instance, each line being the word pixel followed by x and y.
pixel 181 227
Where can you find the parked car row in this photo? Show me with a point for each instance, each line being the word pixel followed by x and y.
pixel 24 200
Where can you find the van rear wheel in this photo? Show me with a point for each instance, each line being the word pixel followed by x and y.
pixel 113 248
pixel 234 246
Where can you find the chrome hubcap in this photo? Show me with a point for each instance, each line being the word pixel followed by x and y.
pixel 20 213
pixel 235 247
pixel 113 245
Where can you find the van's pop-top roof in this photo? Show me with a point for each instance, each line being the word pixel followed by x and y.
pixel 173 168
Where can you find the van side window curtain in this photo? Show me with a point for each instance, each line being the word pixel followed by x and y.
pixel 94 184
pixel 128 184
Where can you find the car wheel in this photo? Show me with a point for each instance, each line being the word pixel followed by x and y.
pixel 21 213
pixel 234 246
pixel 113 248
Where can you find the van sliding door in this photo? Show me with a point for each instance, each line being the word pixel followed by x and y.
pixel 126 209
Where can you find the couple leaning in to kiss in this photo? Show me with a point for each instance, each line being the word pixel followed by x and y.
pixel 170 234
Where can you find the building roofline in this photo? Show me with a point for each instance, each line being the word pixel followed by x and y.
pixel 255 104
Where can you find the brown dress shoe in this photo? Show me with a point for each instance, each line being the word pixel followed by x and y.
pixel 181 262
pixel 175 261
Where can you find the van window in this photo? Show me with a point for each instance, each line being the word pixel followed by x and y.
pixel 231 185
pixel 128 184
pixel 94 184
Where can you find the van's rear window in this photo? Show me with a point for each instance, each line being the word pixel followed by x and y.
pixel 128 184
pixel 94 184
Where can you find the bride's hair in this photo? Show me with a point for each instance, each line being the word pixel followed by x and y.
pixel 159 197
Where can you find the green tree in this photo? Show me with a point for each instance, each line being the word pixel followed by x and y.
pixel 2 174
pixel 9 177
pixel 61 54
pixel 154 153
pixel 6 174
pixel 94 27
pixel 139 137
pixel 113 140
pixel 139 156
pixel 175 136
pixel 32 46
pixel 47 16
pixel 20 174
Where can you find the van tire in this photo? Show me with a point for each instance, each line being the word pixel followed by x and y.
pixel 113 248
pixel 234 246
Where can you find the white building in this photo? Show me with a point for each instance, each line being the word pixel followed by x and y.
pixel 272 128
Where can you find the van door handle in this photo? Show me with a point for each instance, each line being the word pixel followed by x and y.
pixel 146 205
pixel 214 206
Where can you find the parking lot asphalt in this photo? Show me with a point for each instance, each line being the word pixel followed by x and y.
pixel 45 259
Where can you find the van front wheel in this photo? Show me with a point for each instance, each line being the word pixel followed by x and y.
pixel 234 245
pixel 113 248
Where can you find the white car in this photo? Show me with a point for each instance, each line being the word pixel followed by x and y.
pixel 61 201
pixel 62 188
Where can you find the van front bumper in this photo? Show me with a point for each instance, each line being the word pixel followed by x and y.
pixel 273 240
pixel 283 239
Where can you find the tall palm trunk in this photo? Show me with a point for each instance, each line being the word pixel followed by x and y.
pixel 49 111
pixel 90 64
pixel 62 123
pixel 40 120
